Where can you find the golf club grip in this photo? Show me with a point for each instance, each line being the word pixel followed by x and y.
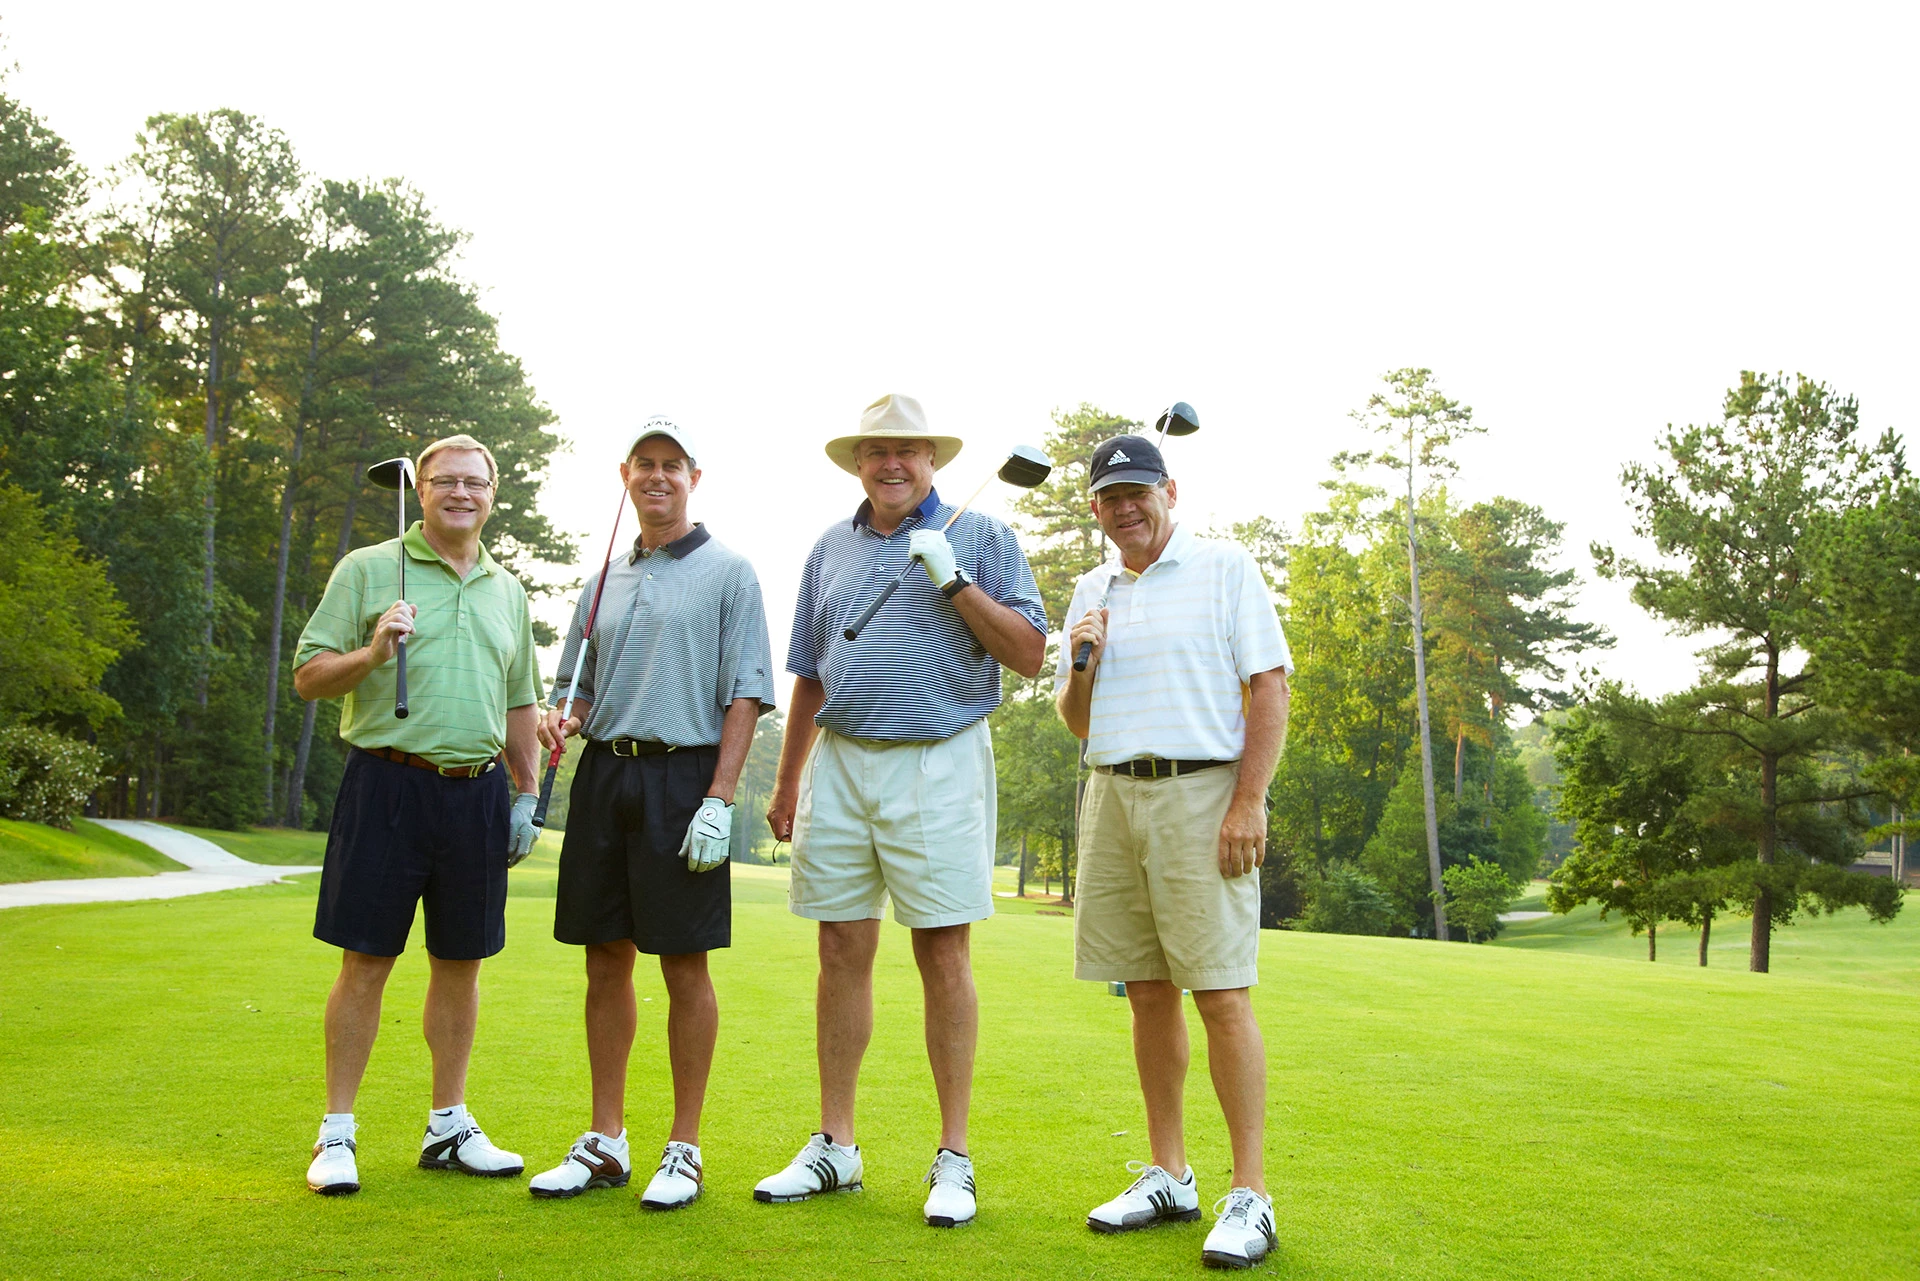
pixel 400 678
pixel 1081 655
pixel 546 794
pixel 866 615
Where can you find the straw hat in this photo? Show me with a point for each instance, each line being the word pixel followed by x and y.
pixel 892 418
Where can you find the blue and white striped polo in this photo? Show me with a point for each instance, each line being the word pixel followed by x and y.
pixel 916 673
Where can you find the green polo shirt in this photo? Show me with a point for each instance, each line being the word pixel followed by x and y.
pixel 470 657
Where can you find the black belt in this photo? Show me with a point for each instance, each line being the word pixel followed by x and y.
pixel 1158 767
pixel 640 746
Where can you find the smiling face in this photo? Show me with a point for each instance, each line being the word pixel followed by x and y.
pixel 659 476
pixel 1138 518
pixel 456 493
pixel 897 475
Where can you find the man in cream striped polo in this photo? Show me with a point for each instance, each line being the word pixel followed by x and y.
pixel 1183 704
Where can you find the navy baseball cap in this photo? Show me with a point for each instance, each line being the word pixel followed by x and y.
pixel 1126 460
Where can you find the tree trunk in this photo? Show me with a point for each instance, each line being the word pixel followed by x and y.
pixel 1706 932
pixel 1020 889
pixel 1460 764
pixel 213 479
pixel 1066 865
pixel 1653 951
pixel 304 747
pixel 1760 943
pixel 1426 727
pixel 279 614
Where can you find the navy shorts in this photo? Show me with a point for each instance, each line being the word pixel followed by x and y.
pixel 621 872
pixel 403 835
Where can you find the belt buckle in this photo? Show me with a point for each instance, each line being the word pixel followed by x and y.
pixel 616 745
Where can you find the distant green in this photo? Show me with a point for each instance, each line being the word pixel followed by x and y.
pixel 277 846
pixel 36 852
pixel 1437 1110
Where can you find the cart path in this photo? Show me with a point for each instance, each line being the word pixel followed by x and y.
pixel 209 868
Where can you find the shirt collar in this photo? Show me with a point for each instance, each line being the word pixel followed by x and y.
pixel 415 541
pixel 1179 546
pixel 680 548
pixel 865 515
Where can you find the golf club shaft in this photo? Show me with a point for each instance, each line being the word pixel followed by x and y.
pixel 400 645
pixel 866 615
pixel 579 662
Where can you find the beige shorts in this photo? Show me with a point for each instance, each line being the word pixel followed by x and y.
pixel 1151 902
pixel 910 821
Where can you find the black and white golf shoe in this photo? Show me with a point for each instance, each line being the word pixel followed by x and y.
pixel 1243 1233
pixel 1156 1197
pixel 821 1166
pixel 333 1171
pixel 460 1144
pixel 951 1199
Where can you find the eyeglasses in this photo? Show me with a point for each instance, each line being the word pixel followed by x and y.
pixel 447 484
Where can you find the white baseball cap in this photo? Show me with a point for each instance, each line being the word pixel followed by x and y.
pixel 661 425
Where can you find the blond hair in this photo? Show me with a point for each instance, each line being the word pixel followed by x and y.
pixel 462 441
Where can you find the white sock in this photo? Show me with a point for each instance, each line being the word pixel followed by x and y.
pixel 444 1120
pixel 336 1125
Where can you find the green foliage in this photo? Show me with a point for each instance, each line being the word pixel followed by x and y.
pixel 1347 901
pixel 1477 893
pixel 45 777
pixel 61 623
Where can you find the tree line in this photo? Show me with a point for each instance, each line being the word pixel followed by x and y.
pixel 200 351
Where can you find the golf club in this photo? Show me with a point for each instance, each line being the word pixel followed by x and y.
pixel 579 662
pixel 1025 467
pixel 1177 420
pixel 397 474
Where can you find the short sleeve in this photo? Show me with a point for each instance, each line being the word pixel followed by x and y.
pixel 1259 645
pixel 523 679
pixel 1003 573
pixel 746 651
pixel 806 645
pixel 335 626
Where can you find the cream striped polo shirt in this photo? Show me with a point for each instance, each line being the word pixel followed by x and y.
pixel 1183 639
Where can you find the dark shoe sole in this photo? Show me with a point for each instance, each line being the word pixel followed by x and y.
pixel 942 1221
pixel 335 1189
pixel 427 1163
pixel 1221 1259
pixel 561 1194
pixel 1180 1216
pixel 768 1198
pixel 670 1205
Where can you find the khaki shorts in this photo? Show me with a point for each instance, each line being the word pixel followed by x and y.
pixel 914 821
pixel 1151 902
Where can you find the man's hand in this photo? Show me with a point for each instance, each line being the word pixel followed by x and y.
pixel 780 812
pixel 521 833
pixel 931 548
pixel 708 836
pixel 553 731
pixel 1243 838
pixel 395 623
pixel 1093 627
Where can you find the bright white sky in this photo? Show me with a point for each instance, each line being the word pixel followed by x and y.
pixel 760 218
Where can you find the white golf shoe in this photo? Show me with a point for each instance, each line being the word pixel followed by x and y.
pixel 821 1166
pixel 1243 1233
pixel 1156 1197
pixel 950 1201
pixel 334 1172
pixel 594 1161
pixel 677 1182
pixel 455 1141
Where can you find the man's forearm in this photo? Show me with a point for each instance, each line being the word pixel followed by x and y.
pixel 809 696
pixel 1266 733
pixel 1002 631
pixel 330 675
pixel 523 747
pixel 1075 703
pixel 736 739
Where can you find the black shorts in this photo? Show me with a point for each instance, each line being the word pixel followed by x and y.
pixel 621 872
pixel 402 835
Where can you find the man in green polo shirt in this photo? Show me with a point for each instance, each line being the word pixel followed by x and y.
pixel 423 813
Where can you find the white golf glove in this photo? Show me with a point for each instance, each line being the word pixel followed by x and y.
pixel 708 836
pixel 931 548
pixel 521 833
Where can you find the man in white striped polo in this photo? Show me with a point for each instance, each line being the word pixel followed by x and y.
pixel 1183 704
pixel 893 796
pixel 679 670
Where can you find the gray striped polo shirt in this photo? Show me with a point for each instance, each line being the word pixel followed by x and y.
pixel 681 634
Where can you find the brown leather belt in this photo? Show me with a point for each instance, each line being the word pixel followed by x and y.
pixel 1157 767
pixel 421 762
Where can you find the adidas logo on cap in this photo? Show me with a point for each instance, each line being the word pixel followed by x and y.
pixel 1118 456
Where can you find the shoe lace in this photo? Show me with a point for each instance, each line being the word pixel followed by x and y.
pixel 1145 1169
pixel 950 1170
pixel 1239 1203
pixel 677 1158
pixel 815 1149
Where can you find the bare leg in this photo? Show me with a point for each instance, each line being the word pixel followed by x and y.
pixel 1238 1059
pixel 610 1023
pixel 953 1024
pixel 452 1009
pixel 353 1020
pixel 693 1023
pixel 843 1018
pixel 1160 1056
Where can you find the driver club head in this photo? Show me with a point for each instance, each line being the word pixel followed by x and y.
pixel 1026 467
pixel 394 473
pixel 1178 420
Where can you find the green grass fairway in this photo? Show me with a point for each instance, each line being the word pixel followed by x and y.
pixel 278 846
pixel 36 852
pixel 1471 1112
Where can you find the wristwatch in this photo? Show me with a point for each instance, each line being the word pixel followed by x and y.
pixel 960 583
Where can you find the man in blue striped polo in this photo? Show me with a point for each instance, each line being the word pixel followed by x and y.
pixel 886 783
pixel 1183 704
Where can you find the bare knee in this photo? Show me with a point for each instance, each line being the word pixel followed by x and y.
pixel 944 950
pixel 685 975
pixel 609 963
pixel 848 946
pixel 1226 1011
pixel 362 973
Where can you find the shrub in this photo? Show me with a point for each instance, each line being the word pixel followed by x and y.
pixel 1348 901
pixel 46 777
pixel 1477 894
